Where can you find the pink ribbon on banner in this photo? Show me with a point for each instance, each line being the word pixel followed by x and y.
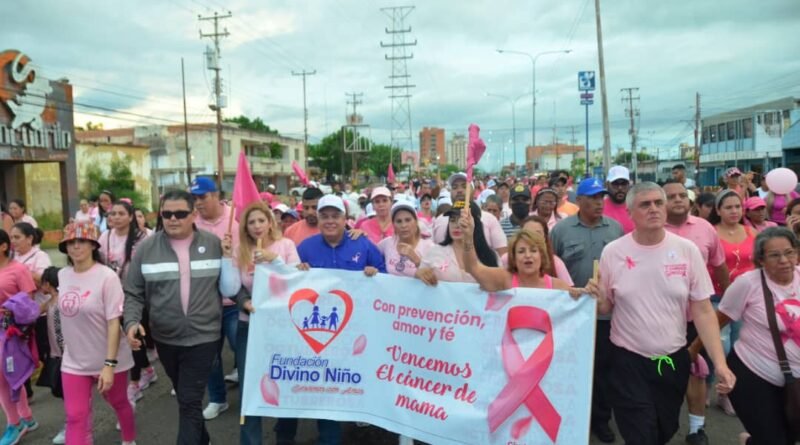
pixel 524 376
pixel 791 323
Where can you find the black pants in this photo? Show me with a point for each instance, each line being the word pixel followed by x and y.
pixel 188 367
pixel 601 409
pixel 646 402
pixel 759 405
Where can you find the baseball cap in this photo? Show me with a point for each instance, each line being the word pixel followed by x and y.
pixel 291 213
pixel 203 185
pixel 404 204
pixel 381 191
pixel 283 208
pixel 520 190
pixel 485 194
pixel 330 201
pixel 754 202
pixel 590 187
pixel 618 172
pixel 455 176
pixel 733 171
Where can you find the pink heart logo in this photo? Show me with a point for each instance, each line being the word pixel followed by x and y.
pixel 320 322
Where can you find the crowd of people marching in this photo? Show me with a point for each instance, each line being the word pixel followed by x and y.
pixel 669 265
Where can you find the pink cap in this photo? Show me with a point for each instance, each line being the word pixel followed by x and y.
pixel 754 202
pixel 381 191
pixel 299 207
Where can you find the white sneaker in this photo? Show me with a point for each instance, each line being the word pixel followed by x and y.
pixel 61 437
pixel 232 377
pixel 132 442
pixel 214 409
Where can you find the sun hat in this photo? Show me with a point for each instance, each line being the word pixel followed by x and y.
pixel 79 230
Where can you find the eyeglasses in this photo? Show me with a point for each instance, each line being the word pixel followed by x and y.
pixel 178 214
pixel 790 255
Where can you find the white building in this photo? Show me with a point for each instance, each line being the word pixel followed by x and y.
pixel 456 151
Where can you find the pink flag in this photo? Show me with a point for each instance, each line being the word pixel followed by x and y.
pixel 390 175
pixel 245 191
pixel 475 149
pixel 300 173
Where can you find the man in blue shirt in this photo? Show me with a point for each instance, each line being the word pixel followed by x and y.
pixel 331 249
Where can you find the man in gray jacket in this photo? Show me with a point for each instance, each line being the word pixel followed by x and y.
pixel 175 274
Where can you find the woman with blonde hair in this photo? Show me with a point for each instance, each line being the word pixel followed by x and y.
pixel 260 241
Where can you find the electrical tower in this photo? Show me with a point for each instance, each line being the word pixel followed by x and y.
pixel 352 142
pixel 220 101
pixel 633 112
pixel 400 88
pixel 305 73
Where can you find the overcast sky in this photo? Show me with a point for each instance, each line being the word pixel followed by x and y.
pixel 126 56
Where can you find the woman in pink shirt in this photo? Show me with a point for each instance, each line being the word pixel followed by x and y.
pixel 778 206
pixel 556 267
pixel 425 213
pixel 445 261
pixel 117 246
pixel 90 303
pixel 17 210
pixel 142 221
pixel 756 214
pixel 736 238
pixel 758 396
pixel 238 265
pixel 380 226
pixel 404 250
pixel 544 205
pixel 14 278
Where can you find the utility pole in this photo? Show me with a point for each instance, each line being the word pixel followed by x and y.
pixel 697 145
pixel 220 100
pixel 399 88
pixel 603 96
pixel 633 112
pixel 555 142
pixel 355 102
pixel 305 73
pixel 186 130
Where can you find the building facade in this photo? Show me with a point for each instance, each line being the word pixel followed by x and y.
pixel 270 155
pixel 456 153
pixel 100 154
pixel 750 138
pixel 545 158
pixel 37 140
pixel 432 146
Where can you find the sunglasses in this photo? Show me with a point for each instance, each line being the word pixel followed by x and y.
pixel 178 214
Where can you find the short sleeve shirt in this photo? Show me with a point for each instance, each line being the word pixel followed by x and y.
pixel 579 245
pixel 15 278
pixel 704 236
pixel 397 264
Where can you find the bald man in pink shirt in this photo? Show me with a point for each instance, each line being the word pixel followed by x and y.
pixel 652 279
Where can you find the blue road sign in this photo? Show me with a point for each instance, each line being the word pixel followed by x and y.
pixel 586 80
pixel 587 102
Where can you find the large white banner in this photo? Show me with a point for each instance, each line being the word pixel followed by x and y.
pixel 449 364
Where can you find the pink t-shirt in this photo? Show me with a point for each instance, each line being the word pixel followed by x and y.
pixel 704 236
pixel 36 260
pixel 619 213
pixel 760 227
pixel 442 259
pixel 738 257
pixel 397 264
pixel 181 248
pixel 562 273
pixel 112 248
pixel 219 226
pixel 28 219
pixel 744 300
pixel 299 231
pixel 372 228
pixel 779 203
pixel 87 301
pixel 284 248
pixel 491 230
pixel 15 278
pixel 428 219
pixel 650 288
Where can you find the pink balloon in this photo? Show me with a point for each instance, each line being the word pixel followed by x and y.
pixel 781 180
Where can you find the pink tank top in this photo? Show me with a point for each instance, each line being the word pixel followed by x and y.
pixel 548 281
pixel 738 257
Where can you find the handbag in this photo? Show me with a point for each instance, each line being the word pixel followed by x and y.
pixel 791 388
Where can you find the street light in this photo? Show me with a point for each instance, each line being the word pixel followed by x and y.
pixel 513 124
pixel 533 58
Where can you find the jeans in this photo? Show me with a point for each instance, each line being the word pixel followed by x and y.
pixel 250 432
pixel 188 367
pixel 217 393
pixel 330 431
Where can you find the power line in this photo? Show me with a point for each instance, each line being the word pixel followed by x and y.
pixel 213 58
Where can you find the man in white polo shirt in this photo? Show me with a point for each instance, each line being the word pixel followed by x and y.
pixel 651 279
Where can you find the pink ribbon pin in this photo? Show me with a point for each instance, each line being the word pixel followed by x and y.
pixel 792 324
pixel 524 376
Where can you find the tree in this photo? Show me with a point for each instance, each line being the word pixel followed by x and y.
pixel 119 181
pixel 253 125
pixel 626 158
pixel 330 157
pixel 578 167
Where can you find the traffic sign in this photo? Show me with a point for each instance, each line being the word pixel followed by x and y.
pixel 586 80
pixel 587 102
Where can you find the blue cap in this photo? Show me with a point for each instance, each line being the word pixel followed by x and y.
pixel 590 187
pixel 201 186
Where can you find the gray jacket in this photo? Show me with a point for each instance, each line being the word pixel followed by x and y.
pixel 153 281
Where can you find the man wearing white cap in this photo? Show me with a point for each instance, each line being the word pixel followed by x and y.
pixel 618 183
pixel 491 226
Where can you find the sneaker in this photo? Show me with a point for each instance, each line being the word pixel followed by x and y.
pixel 12 435
pixel 725 403
pixel 134 394
pixel 149 376
pixel 698 438
pixel 29 425
pixel 61 437
pixel 131 442
pixel 213 410
pixel 233 377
